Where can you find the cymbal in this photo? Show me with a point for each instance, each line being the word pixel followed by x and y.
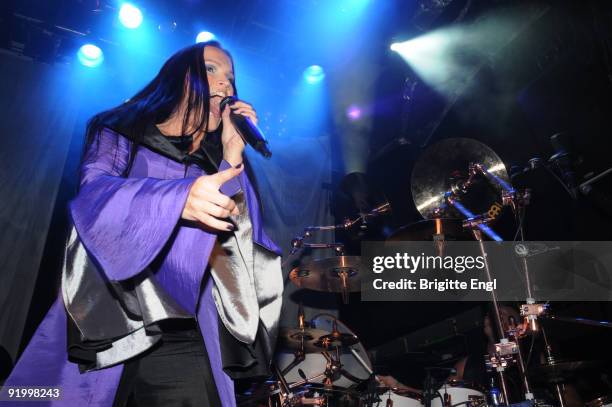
pixel 561 371
pixel 291 338
pixel 450 229
pixel 327 274
pixel 445 164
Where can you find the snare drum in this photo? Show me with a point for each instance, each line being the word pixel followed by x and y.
pixel 457 392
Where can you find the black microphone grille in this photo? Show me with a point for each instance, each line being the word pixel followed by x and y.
pixel 226 101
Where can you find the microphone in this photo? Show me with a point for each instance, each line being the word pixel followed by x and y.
pixel 249 132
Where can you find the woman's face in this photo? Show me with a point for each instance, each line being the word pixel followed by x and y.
pixel 220 82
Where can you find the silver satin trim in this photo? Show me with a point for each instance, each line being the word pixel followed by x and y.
pixel 248 280
pixel 248 288
pixel 125 348
pixel 103 309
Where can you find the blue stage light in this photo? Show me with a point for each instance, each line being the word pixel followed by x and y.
pixel 205 36
pixel 130 16
pixel 90 55
pixel 314 74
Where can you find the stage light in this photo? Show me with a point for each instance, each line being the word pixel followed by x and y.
pixel 90 55
pixel 130 16
pixel 395 46
pixel 449 58
pixel 314 74
pixel 205 36
pixel 354 112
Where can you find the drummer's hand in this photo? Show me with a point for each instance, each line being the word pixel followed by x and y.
pixel 388 381
pixel 393 383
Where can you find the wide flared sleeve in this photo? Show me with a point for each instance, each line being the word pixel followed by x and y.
pixel 124 222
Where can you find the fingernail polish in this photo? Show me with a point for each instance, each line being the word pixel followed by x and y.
pixel 238 166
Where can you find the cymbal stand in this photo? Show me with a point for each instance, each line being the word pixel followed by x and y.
pixel 299 355
pixel 287 397
pixel 298 242
pixel 505 349
pixel 518 201
pixel 479 225
pixel 514 334
pixel 550 360
pixel 335 340
pixel 530 310
pixel 332 367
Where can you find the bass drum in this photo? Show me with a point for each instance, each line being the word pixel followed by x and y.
pixel 314 363
pixel 458 392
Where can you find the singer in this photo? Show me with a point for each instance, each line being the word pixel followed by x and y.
pixel 170 287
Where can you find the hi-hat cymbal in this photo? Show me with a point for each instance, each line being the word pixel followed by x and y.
pixel 445 164
pixel 291 338
pixel 329 275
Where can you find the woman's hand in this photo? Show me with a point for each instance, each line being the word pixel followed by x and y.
pixel 233 145
pixel 205 204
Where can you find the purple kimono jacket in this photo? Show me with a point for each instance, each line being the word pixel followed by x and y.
pixel 126 223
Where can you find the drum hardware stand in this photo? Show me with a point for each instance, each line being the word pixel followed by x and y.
pixel 287 397
pixel 499 360
pixel 334 364
pixel 550 360
pixel 298 242
pixel 504 350
pixel 530 310
pixel 299 355
pixel 515 335
pixel 332 367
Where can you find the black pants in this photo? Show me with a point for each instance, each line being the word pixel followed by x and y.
pixel 176 372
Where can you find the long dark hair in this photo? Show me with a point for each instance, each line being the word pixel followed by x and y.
pixel 185 71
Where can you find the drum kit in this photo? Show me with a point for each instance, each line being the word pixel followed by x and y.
pixel 460 187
